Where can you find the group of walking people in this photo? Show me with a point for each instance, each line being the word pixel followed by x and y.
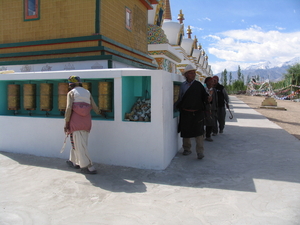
pixel 202 110
pixel 202 113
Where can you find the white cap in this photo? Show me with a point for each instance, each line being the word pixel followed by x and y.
pixel 188 68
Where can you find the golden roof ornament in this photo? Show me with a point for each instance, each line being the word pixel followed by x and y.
pixel 180 17
pixel 200 47
pixel 189 32
pixel 195 41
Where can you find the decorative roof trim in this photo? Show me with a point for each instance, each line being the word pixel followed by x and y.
pixel 147 4
pixel 166 53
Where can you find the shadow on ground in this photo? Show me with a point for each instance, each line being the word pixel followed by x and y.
pixel 243 153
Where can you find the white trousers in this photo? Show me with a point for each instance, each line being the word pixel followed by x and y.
pixel 79 155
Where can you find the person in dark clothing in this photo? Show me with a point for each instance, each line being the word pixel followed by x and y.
pixel 223 100
pixel 191 105
pixel 210 108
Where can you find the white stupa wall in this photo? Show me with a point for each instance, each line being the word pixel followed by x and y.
pixel 147 145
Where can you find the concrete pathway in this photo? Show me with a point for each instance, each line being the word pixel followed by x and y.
pixel 250 175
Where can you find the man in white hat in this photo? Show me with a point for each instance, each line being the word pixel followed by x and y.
pixel 191 104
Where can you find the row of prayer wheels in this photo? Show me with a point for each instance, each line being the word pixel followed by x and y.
pixel 176 91
pixel 105 93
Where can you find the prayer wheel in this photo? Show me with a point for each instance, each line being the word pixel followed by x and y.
pixel 13 96
pixel 87 86
pixel 176 89
pixel 29 93
pixel 46 97
pixel 63 89
pixel 105 96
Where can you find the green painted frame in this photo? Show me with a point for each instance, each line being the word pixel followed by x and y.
pixel 54 113
pixel 118 56
pixel 25 11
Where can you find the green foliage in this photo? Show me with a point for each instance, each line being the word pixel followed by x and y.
pixel 292 77
pixel 238 86
pixel 221 78
pixel 225 78
pixel 278 84
pixel 293 74
pixel 239 73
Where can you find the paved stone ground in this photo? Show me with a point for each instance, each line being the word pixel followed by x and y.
pixel 249 176
pixel 289 120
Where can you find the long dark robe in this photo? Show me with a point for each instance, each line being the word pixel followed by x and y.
pixel 191 124
pixel 211 110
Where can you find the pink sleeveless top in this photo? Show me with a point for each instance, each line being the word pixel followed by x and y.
pixel 81 116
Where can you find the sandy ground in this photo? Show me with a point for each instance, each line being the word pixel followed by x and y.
pixel 288 119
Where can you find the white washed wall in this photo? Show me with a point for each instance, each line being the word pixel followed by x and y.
pixel 147 145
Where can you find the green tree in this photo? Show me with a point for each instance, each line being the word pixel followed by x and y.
pixel 225 78
pixel 238 86
pixel 239 73
pixel 222 77
pixel 293 74
pixel 248 79
pixel 230 78
pixel 257 78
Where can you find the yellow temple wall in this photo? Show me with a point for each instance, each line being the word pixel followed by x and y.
pixel 121 50
pixel 58 19
pixel 63 19
pixel 113 26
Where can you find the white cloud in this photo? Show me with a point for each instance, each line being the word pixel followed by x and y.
pixel 218 67
pixel 206 18
pixel 243 47
pixel 280 28
pixel 196 28
pixel 214 37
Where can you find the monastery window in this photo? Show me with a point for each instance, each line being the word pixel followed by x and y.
pixel 128 21
pixel 179 39
pixel 160 17
pixel 31 10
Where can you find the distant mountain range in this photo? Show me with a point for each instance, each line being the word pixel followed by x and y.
pixel 265 70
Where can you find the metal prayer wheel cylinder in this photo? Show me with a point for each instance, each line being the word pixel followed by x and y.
pixel 46 97
pixel 63 89
pixel 29 93
pixel 13 96
pixel 176 89
pixel 105 96
pixel 87 86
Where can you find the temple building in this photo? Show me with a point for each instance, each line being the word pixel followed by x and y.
pixel 130 54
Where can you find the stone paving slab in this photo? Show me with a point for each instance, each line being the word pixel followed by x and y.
pixel 250 175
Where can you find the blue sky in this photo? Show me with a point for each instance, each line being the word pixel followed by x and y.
pixel 243 32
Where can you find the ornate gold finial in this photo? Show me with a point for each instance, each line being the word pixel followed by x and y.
pixel 203 53
pixel 180 17
pixel 206 57
pixel 189 32
pixel 195 42
pixel 200 47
